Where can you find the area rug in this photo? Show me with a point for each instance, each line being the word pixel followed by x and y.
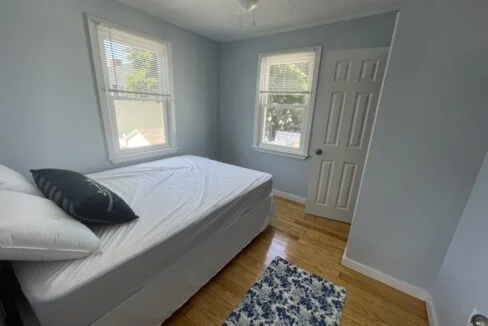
pixel 285 294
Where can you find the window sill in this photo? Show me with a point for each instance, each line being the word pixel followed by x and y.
pixel 280 153
pixel 121 158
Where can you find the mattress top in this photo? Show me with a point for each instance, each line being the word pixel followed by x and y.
pixel 168 196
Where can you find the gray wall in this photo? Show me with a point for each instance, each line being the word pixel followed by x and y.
pixel 462 281
pixel 238 91
pixel 428 143
pixel 49 115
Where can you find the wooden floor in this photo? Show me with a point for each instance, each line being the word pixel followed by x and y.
pixel 315 244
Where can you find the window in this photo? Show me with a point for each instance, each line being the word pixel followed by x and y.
pixel 134 77
pixel 285 100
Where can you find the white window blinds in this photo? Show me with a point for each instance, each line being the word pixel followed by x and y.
pixel 134 65
pixel 288 73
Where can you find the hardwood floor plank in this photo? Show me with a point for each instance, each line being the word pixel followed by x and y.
pixel 386 306
pixel 315 244
pixel 413 305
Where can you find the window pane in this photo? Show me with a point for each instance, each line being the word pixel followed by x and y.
pixel 283 126
pixel 139 123
pixel 131 66
pixel 289 77
pixel 287 99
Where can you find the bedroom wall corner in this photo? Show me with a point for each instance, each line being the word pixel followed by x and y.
pixel 461 283
pixel 238 72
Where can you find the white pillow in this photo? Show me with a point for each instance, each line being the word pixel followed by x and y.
pixel 14 181
pixel 34 228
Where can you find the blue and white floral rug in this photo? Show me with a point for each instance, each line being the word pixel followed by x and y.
pixel 285 294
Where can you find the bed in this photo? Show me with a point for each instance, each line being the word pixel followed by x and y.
pixel 195 215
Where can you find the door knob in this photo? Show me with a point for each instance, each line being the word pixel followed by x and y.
pixel 318 151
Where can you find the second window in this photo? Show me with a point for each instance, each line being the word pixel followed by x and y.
pixel 286 92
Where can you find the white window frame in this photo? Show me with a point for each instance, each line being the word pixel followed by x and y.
pixel 115 153
pixel 258 144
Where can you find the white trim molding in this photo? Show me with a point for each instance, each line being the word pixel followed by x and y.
pixel 279 153
pixel 290 197
pixel 384 278
pixel 143 155
pixel 431 312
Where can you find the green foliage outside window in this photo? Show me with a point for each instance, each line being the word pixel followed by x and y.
pixel 285 76
pixel 145 77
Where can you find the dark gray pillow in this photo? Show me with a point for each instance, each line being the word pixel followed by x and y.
pixel 83 198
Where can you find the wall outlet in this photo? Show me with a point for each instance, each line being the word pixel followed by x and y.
pixel 473 312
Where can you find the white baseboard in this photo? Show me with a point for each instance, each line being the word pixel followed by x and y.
pixel 431 312
pixel 290 197
pixel 402 286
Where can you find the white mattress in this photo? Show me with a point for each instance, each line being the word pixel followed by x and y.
pixel 180 202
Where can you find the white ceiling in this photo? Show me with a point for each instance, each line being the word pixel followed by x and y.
pixel 219 19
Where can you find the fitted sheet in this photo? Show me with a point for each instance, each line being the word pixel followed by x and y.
pixel 180 202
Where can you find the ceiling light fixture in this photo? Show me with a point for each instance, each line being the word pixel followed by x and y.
pixel 248 4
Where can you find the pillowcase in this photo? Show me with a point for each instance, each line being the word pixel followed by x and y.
pixel 14 181
pixel 83 198
pixel 34 228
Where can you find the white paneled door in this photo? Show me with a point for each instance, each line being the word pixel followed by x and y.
pixel 342 129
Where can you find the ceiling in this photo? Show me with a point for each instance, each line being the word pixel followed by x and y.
pixel 220 19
